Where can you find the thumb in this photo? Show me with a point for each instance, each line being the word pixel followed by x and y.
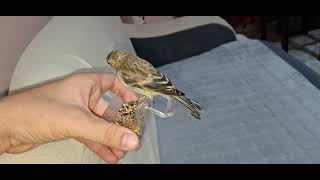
pixel 106 133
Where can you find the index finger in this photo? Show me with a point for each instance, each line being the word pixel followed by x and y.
pixel 111 82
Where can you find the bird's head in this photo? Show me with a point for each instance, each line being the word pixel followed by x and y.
pixel 116 58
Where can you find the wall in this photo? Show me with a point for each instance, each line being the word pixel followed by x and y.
pixel 16 32
pixel 147 19
pixel 151 19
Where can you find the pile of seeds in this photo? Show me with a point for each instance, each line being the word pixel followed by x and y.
pixel 126 117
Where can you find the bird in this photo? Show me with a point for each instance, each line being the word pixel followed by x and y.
pixel 142 77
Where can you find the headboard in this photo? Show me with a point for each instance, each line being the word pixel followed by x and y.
pixel 16 33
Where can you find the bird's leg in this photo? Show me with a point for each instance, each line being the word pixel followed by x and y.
pixel 170 106
pixel 145 97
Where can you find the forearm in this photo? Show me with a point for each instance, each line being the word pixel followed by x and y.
pixel 4 128
pixel 67 108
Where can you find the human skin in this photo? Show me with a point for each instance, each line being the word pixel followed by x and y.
pixel 71 107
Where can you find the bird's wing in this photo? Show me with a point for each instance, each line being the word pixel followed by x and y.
pixel 162 84
pixel 141 74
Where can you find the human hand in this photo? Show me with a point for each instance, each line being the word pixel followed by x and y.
pixel 68 108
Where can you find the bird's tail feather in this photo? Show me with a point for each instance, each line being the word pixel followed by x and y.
pixel 190 105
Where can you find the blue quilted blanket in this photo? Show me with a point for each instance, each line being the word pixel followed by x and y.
pixel 257 109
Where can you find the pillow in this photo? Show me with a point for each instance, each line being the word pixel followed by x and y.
pixel 65 40
pixel 16 33
pixel 179 39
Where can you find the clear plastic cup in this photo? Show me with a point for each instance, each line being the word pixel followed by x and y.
pixel 132 115
pixel 143 109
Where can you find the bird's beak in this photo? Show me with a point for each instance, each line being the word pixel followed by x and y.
pixel 108 61
pixel 108 57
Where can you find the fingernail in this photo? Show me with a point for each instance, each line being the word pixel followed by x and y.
pixel 129 141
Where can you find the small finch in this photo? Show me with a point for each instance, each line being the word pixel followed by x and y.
pixel 142 77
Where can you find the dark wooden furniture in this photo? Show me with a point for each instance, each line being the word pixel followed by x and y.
pixel 283 28
pixel 289 26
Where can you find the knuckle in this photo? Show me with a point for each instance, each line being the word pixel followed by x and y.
pixel 110 135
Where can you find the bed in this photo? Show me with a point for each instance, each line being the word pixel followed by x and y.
pixel 262 111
